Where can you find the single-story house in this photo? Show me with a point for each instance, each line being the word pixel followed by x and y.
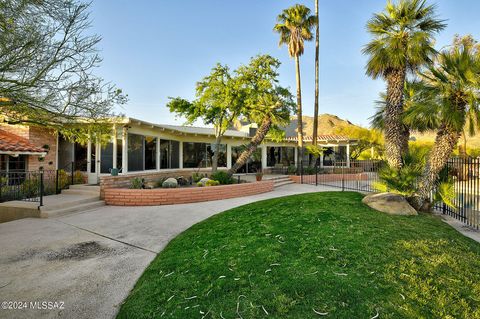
pixel 137 146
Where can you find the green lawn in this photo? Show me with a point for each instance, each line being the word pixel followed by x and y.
pixel 322 255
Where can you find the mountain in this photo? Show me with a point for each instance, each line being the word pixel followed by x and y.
pixel 328 124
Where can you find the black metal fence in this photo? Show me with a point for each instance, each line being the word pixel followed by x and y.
pixel 33 186
pixel 362 175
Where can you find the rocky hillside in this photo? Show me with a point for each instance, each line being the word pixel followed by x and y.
pixel 327 124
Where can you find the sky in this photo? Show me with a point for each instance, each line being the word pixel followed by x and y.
pixel 156 49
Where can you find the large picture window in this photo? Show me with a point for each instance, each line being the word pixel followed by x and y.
pixel 150 153
pixel 169 154
pixel 107 159
pixel 135 152
pixel 280 155
pixel 201 154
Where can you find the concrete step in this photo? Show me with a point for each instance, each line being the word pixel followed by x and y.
pixel 72 209
pixel 67 200
pixel 85 187
pixel 77 191
pixel 274 178
pixel 282 180
pixel 283 183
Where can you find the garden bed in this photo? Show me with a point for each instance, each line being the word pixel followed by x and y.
pixel 171 196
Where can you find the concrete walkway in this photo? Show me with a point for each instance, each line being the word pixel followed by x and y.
pixel 88 262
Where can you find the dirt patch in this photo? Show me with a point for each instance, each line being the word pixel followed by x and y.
pixel 79 251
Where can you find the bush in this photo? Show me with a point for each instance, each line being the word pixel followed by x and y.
pixel 136 183
pixel 78 177
pixel 212 183
pixel 200 184
pixel 159 182
pixel 63 179
pixel 182 181
pixel 197 177
pixel 222 177
pixel 292 170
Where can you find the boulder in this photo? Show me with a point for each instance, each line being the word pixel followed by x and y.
pixel 170 183
pixel 390 203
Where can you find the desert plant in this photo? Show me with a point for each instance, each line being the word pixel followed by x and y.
pixel 197 177
pixel 222 177
pixel 200 184
pixel 78 177
pixel 212 183
pixel 136 183
pixel 63 179
pixel 170 183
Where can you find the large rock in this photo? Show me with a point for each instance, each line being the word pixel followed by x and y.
pixel 389 203
pixel 170 183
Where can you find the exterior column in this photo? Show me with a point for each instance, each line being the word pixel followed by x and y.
pixel 348 155
pixel 229 156
pixel 264 156
pixel 114 143
pixel 98 157
pixel 125 150
pixel 89 156
pixel 296 156
pixel 180 155
pixel 157 155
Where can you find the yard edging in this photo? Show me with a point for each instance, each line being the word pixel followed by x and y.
pixel 171 196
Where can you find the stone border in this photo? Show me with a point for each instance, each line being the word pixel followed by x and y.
pixel 171 196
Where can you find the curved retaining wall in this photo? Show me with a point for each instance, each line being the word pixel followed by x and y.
pixel 170 196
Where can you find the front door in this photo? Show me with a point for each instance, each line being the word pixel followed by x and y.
pixel 94 164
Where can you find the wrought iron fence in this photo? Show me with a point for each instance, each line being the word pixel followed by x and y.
pixel 33 186
pixel 362 175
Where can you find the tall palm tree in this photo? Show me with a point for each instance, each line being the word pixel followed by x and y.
pixel 451 89
pixel 403 37
pixel 295 26
pixel 317 67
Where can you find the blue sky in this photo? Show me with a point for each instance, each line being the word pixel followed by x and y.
pixel 156 49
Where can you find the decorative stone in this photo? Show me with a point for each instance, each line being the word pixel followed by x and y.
pixel 170 183
pixel 390 203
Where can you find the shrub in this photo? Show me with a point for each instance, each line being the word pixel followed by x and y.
pixel 159 182
pixel 212 183
pixel 196 177
pixel 200 184
pixel 136 183
pixel 78 177
pixel 292 169
pixel 63 179
pixel 222 177
pixel 182 181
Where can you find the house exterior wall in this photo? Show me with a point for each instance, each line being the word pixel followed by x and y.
pixel 39 137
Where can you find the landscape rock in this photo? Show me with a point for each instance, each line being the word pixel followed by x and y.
pixel 170 183
pixel 390 203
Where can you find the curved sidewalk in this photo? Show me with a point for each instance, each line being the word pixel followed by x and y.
pixel 90 261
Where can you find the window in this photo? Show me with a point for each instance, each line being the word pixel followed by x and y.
pixel 135 152
pixel 280 155
pixel 254 163
pixel 13 164
pixel 150 153
pixel 119 153
pixel 107 158
pixel 169 154
pixel 201 154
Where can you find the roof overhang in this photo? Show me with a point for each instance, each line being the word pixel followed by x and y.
pixel 15 154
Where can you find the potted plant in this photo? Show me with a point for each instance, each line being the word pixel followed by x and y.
pixel 259 176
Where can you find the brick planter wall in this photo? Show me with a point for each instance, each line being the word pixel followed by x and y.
pixel 123 181
pixel 170 196
pixel 330 178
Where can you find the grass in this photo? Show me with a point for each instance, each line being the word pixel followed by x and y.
pixel 322 255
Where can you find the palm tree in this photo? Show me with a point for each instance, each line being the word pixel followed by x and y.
pixel 317 67
pixel 295 26
pixel 451 89
pixel 402 42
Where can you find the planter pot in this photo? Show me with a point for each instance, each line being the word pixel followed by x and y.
pixel 259 178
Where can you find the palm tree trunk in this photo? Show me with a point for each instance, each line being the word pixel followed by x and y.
pixel 299 111
pixel 396 133
pixel 252 147
pixel 218 140
pixel 445 142
pixel 317 58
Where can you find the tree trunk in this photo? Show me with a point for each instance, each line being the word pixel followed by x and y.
pixel 218 140
pixel 317 59
pixel 396 133
pixel 252 147
pixel 299 111
pixel 445 142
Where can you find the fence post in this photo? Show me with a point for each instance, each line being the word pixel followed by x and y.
pixel 301 171
pixel 316 173
pixel 41 189
pixel 343 178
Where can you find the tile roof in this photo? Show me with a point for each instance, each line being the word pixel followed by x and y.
pixel 11 143
pixel 322 138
